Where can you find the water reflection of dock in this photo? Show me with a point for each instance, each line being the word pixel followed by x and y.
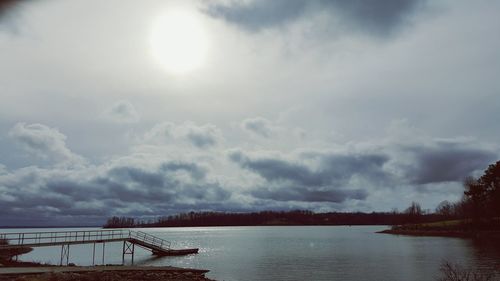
pixel 130 239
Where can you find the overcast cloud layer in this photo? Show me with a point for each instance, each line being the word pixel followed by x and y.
pixel 320 105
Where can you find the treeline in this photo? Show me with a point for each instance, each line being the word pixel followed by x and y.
pixel 121 222
pixel 298 217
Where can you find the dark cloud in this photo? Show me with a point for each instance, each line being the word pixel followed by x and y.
pixel 117 190
pixel 344 166
pixel 7 6
pixel 337 177
pixel 327 182
pixel 277 169
pixel 9 13
pixel 259 14
pixel 309 194
pixel 446 161
pixel 333 169
pixel 134 175
pixel 161 185
pixel 376 17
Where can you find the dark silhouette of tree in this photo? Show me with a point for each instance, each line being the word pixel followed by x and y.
pixel 477 197
pixel 490 182
pixel 460 208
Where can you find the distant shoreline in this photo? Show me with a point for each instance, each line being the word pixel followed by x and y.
pixel 242 225
pixel 103 227
pixel 444 233
pixel 437 233
pixel 269 218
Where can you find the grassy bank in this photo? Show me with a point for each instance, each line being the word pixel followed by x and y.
pixel 447 228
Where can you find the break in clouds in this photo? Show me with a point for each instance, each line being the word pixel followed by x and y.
pixel 182 167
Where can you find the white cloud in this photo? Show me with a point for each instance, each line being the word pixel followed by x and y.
pixel 44 142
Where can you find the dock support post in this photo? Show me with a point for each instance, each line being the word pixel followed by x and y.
pixel 64 254
pixel 128 249
pixel 93 256
pixel 103 254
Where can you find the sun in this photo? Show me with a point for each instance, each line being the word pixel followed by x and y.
pixel 179 41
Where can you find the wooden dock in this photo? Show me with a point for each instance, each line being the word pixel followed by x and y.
pixel 130 239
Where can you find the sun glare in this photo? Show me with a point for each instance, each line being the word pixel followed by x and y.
pixel 179 42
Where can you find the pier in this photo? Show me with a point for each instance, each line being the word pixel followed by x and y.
pixel 65 239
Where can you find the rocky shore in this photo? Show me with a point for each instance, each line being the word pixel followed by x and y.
pixel 101 273
pixel 133 275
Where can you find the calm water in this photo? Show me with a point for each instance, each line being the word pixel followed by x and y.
pixel 297 253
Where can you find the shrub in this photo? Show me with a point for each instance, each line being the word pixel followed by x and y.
pixel 455 272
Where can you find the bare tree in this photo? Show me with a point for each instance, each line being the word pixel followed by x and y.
pixel 445 209
pixel 414 212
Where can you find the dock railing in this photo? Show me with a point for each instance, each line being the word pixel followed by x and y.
pixel 80 236
pixel 150 239
pixel 48 237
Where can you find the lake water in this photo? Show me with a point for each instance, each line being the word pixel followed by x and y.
pixel 296 253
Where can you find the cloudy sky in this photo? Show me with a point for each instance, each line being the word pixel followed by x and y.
pixel 153 108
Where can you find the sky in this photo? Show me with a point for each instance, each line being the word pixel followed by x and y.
pixel 159 107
